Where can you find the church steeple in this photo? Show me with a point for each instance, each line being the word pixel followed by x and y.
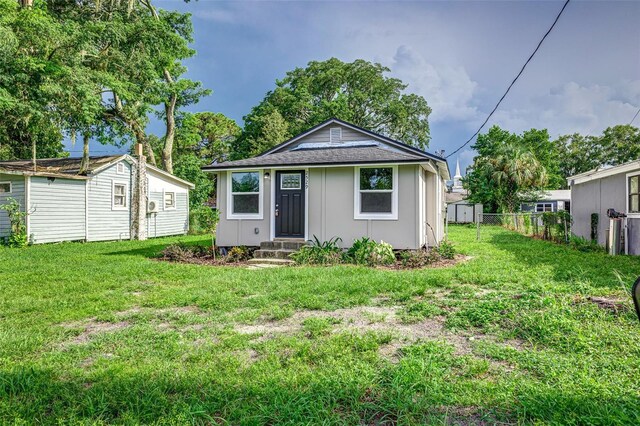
pixel 457 179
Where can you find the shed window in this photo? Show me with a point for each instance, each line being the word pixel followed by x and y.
pixel 169 200
pixel 120 168
pixel 376 195
pixel 544 207
pixel 119 195
pixel 5 188
pixel 245 193
pixel 634 194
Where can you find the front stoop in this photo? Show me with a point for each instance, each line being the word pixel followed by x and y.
pixel 276 252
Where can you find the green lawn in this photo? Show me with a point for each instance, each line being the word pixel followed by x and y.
pixel 102 333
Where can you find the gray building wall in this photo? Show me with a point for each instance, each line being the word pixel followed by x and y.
pixel 331 211
pixel 104 222
pixel 17 192
pixel 57 209
pixel 597 196
pixel 171 221
pixel 234 232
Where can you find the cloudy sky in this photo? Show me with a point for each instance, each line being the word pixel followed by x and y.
pixel 459 55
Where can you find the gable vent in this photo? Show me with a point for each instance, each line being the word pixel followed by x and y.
pixel 335 135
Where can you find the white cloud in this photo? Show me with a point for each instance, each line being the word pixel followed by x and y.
pixel 572 108
pixel 448 89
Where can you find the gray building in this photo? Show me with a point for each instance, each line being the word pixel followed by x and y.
pixel 607 188
pixel 63 205
pixel 549 201
pixel 334 180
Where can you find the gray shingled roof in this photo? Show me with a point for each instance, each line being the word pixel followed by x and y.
pixel 64 167
pixel 324 156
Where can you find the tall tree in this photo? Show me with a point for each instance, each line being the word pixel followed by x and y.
pixel 510 168
pixel 358 92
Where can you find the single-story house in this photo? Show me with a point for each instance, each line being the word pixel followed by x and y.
pixel 598 190
pixel 334 180
pixel 550 201
pixel 63 205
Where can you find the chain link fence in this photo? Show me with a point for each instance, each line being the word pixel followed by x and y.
pixel 549 225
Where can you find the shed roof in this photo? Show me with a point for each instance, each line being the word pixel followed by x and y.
pixel 324 156
pixel 62 167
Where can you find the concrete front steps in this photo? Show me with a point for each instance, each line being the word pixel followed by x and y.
pixel 276 253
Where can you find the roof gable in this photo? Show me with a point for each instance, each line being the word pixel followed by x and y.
pixel 350 133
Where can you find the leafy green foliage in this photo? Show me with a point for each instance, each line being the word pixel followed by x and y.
pixel 557 225
pixel 358 92
pixel 17 223
pixel 446 250
pixel 510 169
pixel 417 258
pixel 319 252
pixel 584 245
pixel 238 254
pixel 365 251
pixel 617 145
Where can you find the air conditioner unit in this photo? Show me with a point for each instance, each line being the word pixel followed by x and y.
pixel 152 207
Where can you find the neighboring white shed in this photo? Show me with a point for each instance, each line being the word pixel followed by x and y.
pixel 63 205
pixel 459 210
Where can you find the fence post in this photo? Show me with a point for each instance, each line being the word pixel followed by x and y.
pixel 478 226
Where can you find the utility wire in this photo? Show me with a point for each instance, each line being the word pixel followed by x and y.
pixel 514 81
pixel 634 117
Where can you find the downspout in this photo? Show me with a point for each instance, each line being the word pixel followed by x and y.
pixel 27 204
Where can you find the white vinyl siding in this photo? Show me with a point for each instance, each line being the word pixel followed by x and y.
pixel 166 222
pixel 57 210
pixel 106 223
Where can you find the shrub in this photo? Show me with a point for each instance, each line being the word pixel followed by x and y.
pixel 417 258
pixel 18 229
pixel 238 254
pixel 584 245
pixel 446 250
pixel 177 252
pixel 319 253
pixel 366 251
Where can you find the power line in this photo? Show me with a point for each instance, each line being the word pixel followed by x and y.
pixel 514 80
pixel 634 117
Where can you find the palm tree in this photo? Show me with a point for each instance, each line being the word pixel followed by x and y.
pixel 516 173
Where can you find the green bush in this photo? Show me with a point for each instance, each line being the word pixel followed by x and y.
pixel 446 250
pixel 17 221
pixel 417 258
pixel 319 253
pixel 584 245
pixel 366 251
pixel 238 254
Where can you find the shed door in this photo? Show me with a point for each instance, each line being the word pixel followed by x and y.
pixel 290 212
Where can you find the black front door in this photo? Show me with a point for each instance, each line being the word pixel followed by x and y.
pixel 290 204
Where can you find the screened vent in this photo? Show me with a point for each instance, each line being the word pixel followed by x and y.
pixel 335 135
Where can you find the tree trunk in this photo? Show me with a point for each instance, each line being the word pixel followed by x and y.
pixel 170 110
pixel 141 138
pixel 26 3
pixel 84 164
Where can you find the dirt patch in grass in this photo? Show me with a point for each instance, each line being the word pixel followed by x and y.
pixel 92 327
pixel 363 319
pixel 615 306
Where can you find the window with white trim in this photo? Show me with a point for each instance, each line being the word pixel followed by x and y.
pixel 5 188
pixel 246 188
pixel 376 193
pixel 544 207
pixel 169 200
pixel 634 194
pixel 120 168
pixel 119 196
pixel 335 134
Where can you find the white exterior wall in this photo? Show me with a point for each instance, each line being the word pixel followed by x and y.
pixel 167 221
pixel 57 209
pixel 18 193
pixel 105 222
